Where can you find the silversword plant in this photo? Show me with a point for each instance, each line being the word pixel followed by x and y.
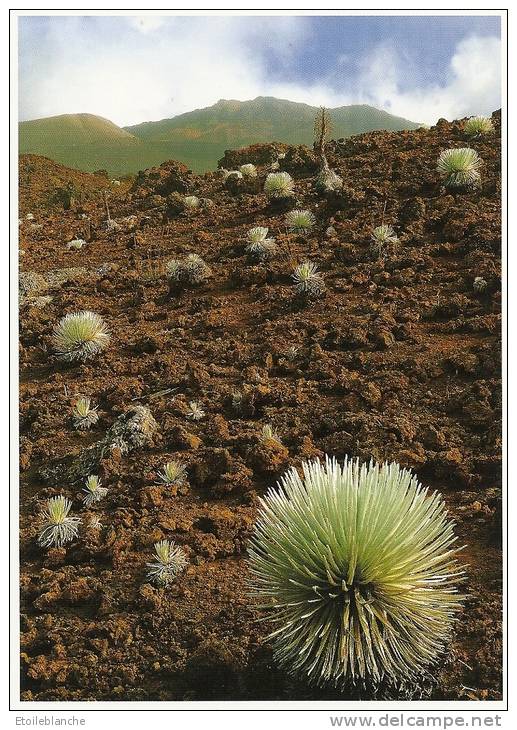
pixel 170 561
pixel 269 434
pixel 80 336
pixel 257 234
pixel 190 270
pixel 191 202
pixel 355 565
pixel 248 170
pixel 478 126
pixel 381 236
pixel 279 185
pixel 84 416
pixel 299 221
pixel 307 280
pixel 94 524
pixel 195 412
pixel 76 244
pixel 260 247
pixel 460 167
pixel 58 527
pixel 237 400
pixel 479 284
pixel 93 490
pixel 173 473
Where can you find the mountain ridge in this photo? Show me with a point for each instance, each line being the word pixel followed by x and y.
pixel 198 138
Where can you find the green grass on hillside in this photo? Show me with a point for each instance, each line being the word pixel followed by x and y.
pixel 198 138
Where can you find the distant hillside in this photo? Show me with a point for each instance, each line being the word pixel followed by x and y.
pixel 43 182
pixel 75 129
pixel 264 119
pixel 82 141
pixel 198 138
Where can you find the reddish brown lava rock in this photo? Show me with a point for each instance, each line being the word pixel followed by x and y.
pixel 400 361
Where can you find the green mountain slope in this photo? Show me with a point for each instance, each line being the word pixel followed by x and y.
pixel 76 129
pixel 198 138
pixel 264 119
pixel 82 141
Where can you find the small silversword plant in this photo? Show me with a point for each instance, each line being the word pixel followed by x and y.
pixel 299 221
pixel 260 247
pixel 248 170
pixel 257 234
pixel 191 202
pixel 480 284
pixel 279 185
pixel 307 280
pixel 191 270
pixel 93 491
pixel 237 399
pixel 356 568
pixel 381 236
pixel 58 527
pixel 170 561
pixel 478 126
pixel 80 336
pixel 94 524
pixel 76 244
pixel 84 416
pixel 173 473
pixel 269 434
pixel 195 412
pixel 459 167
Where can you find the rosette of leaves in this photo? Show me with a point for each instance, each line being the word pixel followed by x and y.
pixel 169 561
pixel 189 271
pixel 248 171
pixel 279 186
pixel 80 336
pixel 308 281
pixel 381 236
pixel 299 221
pixel 260 247
pixel 84 416
pixel 58 528
pixel 478 126
pixel 355 566
pixel 459 167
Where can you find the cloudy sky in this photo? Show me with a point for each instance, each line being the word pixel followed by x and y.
pixel 134 69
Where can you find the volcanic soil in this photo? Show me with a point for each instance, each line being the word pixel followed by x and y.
pixel 399 360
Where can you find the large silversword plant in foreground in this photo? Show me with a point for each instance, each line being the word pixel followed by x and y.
pixel 356 567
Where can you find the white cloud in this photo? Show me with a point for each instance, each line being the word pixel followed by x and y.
pixel 147 23
pixel 179 64
pixel 165 74
pixel 473 85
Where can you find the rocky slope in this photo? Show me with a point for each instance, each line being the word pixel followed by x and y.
pixel 399 360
